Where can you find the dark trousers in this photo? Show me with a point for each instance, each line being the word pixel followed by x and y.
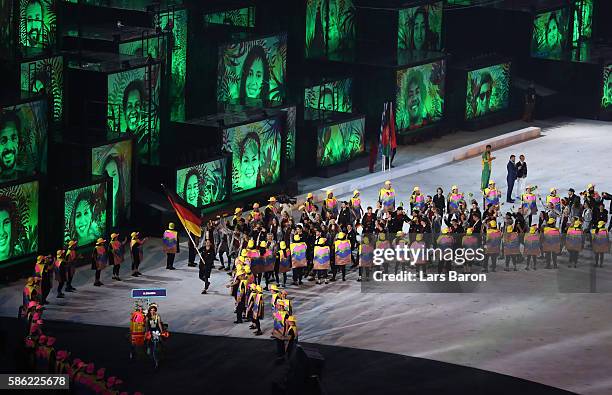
pixel 135 263
pixel 277 278
pixel 493 262
pixel 342 269
pixel 297 275
pixel 116 269
pixel 69 275
pixel 280 348
pixel 45 286
pixel 573 257
pixel 192 253
pixel 366 270
pixel 599 257
pixel 549 256
pixel 60 286
pixel 239 311
pixel 511 182
pixel 535 261
pixel 97 276
pixel 170 260
pixel 222 260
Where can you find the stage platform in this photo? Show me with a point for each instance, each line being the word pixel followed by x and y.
pixel 526 326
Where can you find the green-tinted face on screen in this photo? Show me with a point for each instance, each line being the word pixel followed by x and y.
pixel 483 99
pixel 34 21
pixel 553 37
pixel 249 164
pixel 113 171
pixel 255 79
pixel 82 221
pixel 133 109
pixel 415 108
pixel 5 235
pixel 192 190
pixel 419 31
pixel 9 144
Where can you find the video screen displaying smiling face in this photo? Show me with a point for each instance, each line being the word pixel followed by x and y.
pixel 203 184
pixel 488 90
pixel 18 220
pixel 550 33
pixel 23 140
pixel 420 95
pixel 253 71
pixel 420 28
pixel 85 212
pixel 37 23
pixel 133 107
pixel 256 153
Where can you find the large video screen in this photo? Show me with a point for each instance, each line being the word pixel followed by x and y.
pixel 37 23
pixel 115 160
pixel 133 107
pixel 18 220
pixel 420 28
pixel 203 184
pixel 23 139
pixel 606 99
pixel 45 74
pixel 583 21
pixel 340 142
pixel 85 211
pixel 330 26
pixel 332 96
pixel 291 137
pixel 256 153
pixel 420 95
pixel 550 33
pixel 488 90
pixel 253 70
pixel 178 70
pixel 244 17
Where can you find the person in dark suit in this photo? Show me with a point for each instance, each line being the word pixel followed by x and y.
pixel 511 178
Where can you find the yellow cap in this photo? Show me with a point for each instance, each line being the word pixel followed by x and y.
pixel 399 233
pixel 528 187
pixel 553 189
pixel 329 192
pixel 341 235
pixel 272 199
pixel 243 253
pixel 365 240
pixel 309 196
pixel 444 231
pixel 469 231
pixel 577 223
pixel 263 244
pixel 259 289
pixel 171 225
pixel 355 192
pixel 255 205
pixel 247 269
pixel 292 318
pixel 59 252
pixel 134 234
pixel 40 258
pixel 551 221
pixel 493 224
pixel 509 228
pixel 321 240
pixel 387 182
pixel 251 243
pixel 283 245
pixel 491 182
pixel 601 224
pixel 381 237
pixel 73 242
pixel 237 210
pixel 274 287
pixel 113 237
pixel 590 186
pixel 100 241
pixel 419 237
pixel 454 187
pixel 252 286
pixel 533 229
pixel 416 189
pixel 296 237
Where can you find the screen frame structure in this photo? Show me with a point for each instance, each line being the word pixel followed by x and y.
pixel 482 66
pixel 346 42
pixel 251 16
pixel 602 90
pixel 281 85
pixel 95 180
pixel 45 139
pixel 25 257
pixel 533 50
pixel 444 96
pixel 176 101
pixel 228 178
pixel 56 116
pixel 133 179
pixel 580 39
pixel 21 29
pixel 348 85
pixel 152 156
pixel 323 125
pixel 279 118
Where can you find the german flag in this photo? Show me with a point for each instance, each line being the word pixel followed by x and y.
pixel 187 213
